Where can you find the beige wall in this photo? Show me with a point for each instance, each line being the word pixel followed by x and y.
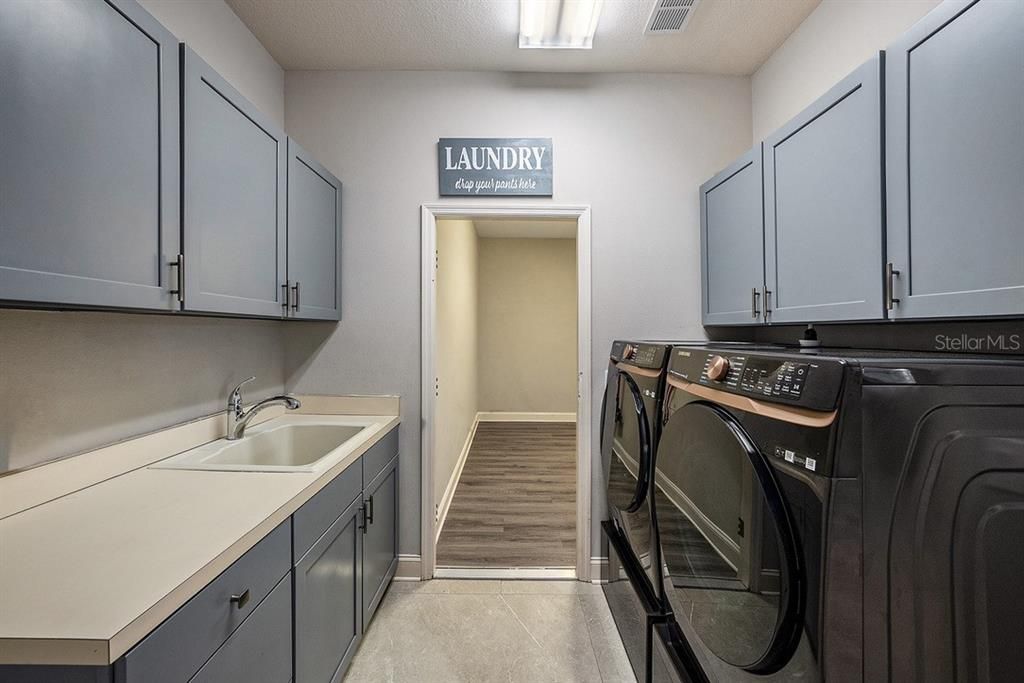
pixel 72 381
pixel 832 41
pixel 217 35
pixel 527 323
pixel 456 406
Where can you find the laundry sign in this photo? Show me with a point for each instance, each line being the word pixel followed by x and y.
pixel 494 166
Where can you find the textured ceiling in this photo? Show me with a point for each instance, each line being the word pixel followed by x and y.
pixel 723 37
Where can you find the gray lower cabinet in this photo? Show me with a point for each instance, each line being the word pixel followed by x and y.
pixel 178 648
pixel 260 650
pixel 314 238
pixel 955 162
pixel 341 576
pixel 380 543
pixel 233 180
pixel 89 175
pixel 293 608
pixel 824 208
pixel 732 243
pixel 328 622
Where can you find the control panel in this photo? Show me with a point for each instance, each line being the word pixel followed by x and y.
pixel 772 378
pixel 641 354
pixel 778 377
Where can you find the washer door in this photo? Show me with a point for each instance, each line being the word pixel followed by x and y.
pixel 732 562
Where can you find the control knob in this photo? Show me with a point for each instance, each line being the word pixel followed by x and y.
pixel 628 352
pixel 718 368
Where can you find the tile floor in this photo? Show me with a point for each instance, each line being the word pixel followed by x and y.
pixel 450 631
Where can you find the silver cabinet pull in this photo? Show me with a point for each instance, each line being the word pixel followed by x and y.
pixel 890 285
pixel 240 600
pixel 754 294
pixel 286 298
pixel 295 288
pixel 179 265
pixel 767 303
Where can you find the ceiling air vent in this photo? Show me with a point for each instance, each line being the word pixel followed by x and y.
pixel 670 16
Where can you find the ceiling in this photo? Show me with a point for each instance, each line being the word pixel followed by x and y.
pixel 731 37
pixel 512 228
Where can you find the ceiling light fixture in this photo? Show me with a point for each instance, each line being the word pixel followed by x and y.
pixel 558 24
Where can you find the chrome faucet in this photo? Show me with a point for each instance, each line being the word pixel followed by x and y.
pixel 238 418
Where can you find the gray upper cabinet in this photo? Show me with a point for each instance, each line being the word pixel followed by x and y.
pixel 732 243
pixel 89 171
pixel 824 208
pixel 955 162
pixel 314 238
pixel 233 222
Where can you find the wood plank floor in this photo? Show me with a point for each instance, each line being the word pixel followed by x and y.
pixel 515 504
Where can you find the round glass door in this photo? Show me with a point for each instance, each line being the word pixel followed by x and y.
pixel 625 443
pixel 732 566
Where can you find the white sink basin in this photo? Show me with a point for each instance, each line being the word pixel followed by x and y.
pixel 290 447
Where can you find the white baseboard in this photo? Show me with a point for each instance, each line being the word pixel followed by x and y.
pixel 409 568
pixel 597 567
pixel 453 481
pixel 505 573
pixel 525 417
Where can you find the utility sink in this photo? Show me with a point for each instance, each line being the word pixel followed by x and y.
pixel 290 447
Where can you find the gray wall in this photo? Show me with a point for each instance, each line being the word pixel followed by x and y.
pixel 212 29
pixel 834 39
pixel 633 146
pixel 72 381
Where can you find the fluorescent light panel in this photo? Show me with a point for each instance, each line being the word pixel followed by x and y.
pixel 558 24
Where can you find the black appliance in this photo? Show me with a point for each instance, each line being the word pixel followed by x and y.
pixel 630 427
pixel 838 515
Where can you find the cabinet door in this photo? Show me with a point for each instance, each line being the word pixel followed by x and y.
pixel 823 206
pixel 328 596
pixel 234 201
pixel 732 243
pixel 380 545
pixel 314 238
pixel 955 162
pixel 89 169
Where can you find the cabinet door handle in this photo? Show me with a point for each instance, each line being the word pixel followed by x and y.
pixel 286 298
pixel 369 517
pixel 240 600
pixel 890 285
pixel 179 276
pixel 767 303
pixel 295 288
pixel 362 509
pixel 754 294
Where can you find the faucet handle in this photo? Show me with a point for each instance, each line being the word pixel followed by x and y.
pixel 237 391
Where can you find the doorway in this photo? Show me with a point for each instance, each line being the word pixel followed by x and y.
pixel 506 392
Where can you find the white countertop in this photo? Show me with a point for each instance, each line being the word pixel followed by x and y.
pixel 85 576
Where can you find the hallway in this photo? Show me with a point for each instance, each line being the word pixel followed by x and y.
pixel 515 504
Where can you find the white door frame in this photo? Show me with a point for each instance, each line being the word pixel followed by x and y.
pixel 429 215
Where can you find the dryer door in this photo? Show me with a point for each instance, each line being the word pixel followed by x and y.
pixel 732 563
